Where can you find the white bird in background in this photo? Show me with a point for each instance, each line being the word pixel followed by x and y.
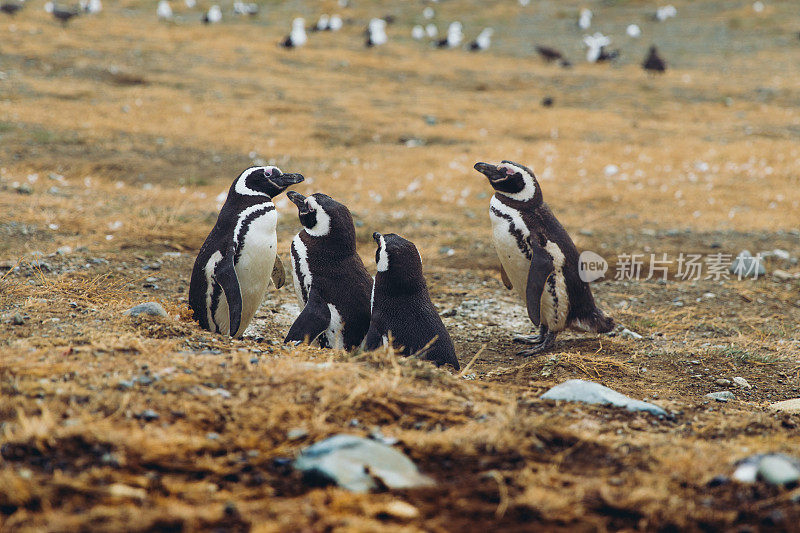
pixel 595 44
pixel 335 23
pixel 665 12
pixel 524 3
pixel 758 7
pixel 297 37
pixel 190 3
pixel 323 23
pixel 417 33
pixel 376 32
pixel 242 8
pixel 454 36
pixel 213 15
pixel 164 10
pixel 428 13
pixel 585 19
pixel 633 30
pixel 91 7
pixel 483 41
pixel 431 30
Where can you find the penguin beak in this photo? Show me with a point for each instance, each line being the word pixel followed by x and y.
pixel 297 199
pixel 291 179
pixel 493 172
pixel 377 237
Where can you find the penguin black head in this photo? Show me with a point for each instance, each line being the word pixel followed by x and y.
pixel 264 181
pixel 398 260
pixel 322 216
pixel 512 179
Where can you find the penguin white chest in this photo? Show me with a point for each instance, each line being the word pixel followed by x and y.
pixel 510 236
pixel 258 247
pixel 301 271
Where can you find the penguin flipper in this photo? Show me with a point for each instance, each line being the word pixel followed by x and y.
pixel 225 275
pixel 278 273
pixel 505 278
pixel 541 269
pixel 312 321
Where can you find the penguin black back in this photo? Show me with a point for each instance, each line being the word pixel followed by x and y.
pixel 330 279
pixel 402 307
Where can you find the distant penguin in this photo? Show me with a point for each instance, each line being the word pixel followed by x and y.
pixel 634 31
pixel 401 306
pixel 665 12
pixel 595 45
pixel 417 33
pixel 454 36
pixel 653 62
pixel 330 279
pixel 483 41
pixel 431 30
pixel 297 37
pixel 61 14
pixel 250 9
pixel 10 8
pixel 376 33
pixel 213 15
pixel 538 258
pixel 232 272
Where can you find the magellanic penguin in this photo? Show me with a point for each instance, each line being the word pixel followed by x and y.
pixel 401 306
pixel 330 279
pixel 538 257
pixel 233 269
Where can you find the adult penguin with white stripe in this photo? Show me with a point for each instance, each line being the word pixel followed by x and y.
pixel 232 272
pixel 538 258
pixel 330 279
pixel 402 307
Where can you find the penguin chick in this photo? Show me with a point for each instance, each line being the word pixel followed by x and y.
pixel 402 307
pixel 232 271
pixel 330 279
pixel 538 258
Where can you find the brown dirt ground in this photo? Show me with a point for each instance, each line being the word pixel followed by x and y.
pixel 125 130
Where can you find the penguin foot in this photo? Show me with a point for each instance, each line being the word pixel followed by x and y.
pixel 548 342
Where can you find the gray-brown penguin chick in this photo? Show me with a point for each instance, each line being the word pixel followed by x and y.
pixel 402 307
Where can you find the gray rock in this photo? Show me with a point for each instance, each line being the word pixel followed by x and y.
pixel 740 381
pixel 353 463
pixel 15 319
pixel 721 396
pixel 147 415
pixel 578 390
pixel 296 433
pixel 787 406
pixel 775 468
pixel 722 382
pixel 747 266
pixel 778 470
pixel 147 308
pixel 628 334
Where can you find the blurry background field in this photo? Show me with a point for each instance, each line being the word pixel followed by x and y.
pixel 119 131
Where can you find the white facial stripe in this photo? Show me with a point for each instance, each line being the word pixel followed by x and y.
pixel 241 181
pixel 383 256
pixel 305 271
pixel 243 216
pixel 323 225
pixel 215 258
pixel 530 186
